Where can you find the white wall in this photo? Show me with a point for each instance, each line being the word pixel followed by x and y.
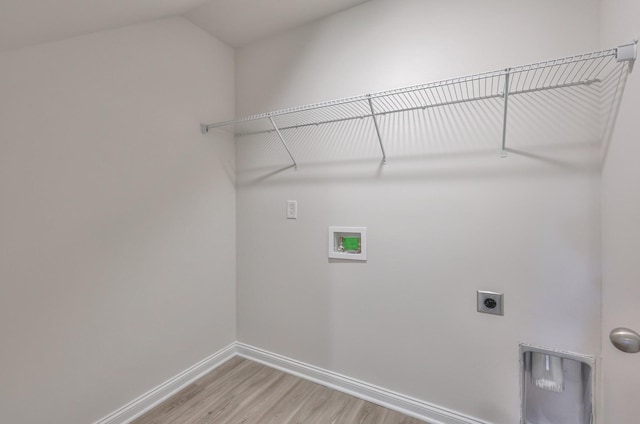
pixel 444 219
pixel 620 228
pixel 117 236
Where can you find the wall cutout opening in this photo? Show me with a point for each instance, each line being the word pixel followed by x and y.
pixel 556 386
pixel 348 243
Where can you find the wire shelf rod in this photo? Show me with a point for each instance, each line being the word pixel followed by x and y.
pixel 575 71
pixel 596 66
pixel 414 108
pixel 491 75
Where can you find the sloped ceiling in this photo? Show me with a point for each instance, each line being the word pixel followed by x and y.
pixel 241 22
pixel 236 22
pixel 26 22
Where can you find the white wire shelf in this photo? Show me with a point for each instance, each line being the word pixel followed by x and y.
pixel 581 70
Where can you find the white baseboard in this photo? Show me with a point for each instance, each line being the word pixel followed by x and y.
pixel 378 395
pixel 396 401
pixel 155 396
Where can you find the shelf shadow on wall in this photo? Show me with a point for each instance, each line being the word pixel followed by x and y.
pixel 560 128
pixel 618 87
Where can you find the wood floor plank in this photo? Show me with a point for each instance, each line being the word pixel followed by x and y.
pixel 224 378
pixel 224 403
pixel 259 399
pixel 241 391
pixel 266 401
pixel 289 404
pixel 313 405
pixel 339 408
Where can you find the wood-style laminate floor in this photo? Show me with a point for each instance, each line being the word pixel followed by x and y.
pixel 245 392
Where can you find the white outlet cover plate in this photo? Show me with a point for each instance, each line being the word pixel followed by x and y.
pixel 292 209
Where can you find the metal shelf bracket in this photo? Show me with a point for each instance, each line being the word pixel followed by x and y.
pixel 375 123
pixel 284 143
pixel 627 52
pixel 503 152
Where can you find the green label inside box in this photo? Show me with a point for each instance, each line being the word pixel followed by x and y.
pixel 351 243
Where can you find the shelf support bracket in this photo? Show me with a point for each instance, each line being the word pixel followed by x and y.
pixel 503 152
pixel 375 123
pixel 627 52
pixel 284 143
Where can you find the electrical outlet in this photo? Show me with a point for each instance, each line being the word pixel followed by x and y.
pixel 490 302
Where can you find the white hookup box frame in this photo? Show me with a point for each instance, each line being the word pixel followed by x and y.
pixel 349 243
